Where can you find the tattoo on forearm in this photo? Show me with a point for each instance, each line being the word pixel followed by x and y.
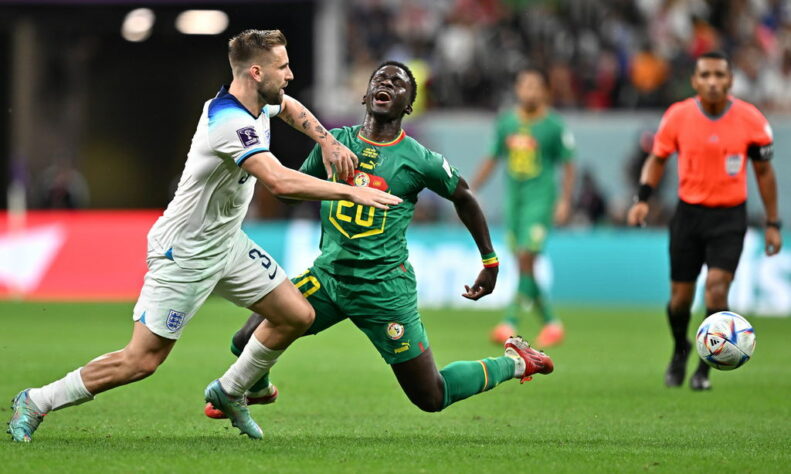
pixel 305 124
pixel 321 131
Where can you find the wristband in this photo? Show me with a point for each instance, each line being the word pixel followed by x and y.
pixel 490 260
pixel 644 192
pixel 776 224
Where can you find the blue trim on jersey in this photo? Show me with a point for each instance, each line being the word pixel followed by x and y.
pixel 143 318
pixel 169 253
pixel 250 153
pixel 225 105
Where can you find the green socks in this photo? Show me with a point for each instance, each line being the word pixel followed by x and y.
pixel 529 291
pixel 464 379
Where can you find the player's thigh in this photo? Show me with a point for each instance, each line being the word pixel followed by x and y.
pixel 320 290
pixel 686 246
pixel 386 311
pixel 533 229
pixel 170 297
pixel 725 238
pixel 251 274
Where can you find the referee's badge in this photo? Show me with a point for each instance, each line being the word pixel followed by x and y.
pixel 733 164
pixel 395 331
pixel 175 320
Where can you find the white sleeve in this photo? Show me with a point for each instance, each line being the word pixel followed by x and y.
pixel 237 135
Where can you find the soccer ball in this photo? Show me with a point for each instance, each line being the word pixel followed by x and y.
pixel 725 340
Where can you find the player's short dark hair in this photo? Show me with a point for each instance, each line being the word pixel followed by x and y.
pixel 403 67
pixel 248 44
pixel 533 70
pixel 716 55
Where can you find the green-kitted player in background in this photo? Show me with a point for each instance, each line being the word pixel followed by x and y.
pixel 363 273
pixel 534 140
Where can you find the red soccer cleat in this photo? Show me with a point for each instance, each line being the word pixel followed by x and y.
pixel 212 412
pixel 551 334
pixel 536 362
pixel 502 332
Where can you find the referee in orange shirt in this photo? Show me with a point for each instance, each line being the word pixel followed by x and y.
pixel 714 134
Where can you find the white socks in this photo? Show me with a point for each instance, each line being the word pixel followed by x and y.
pixel 519 363
pixel 255 361
pixel 68 391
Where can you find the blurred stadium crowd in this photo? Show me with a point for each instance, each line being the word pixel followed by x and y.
pixel 599 54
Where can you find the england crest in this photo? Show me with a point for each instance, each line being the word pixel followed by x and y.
pixel 175 320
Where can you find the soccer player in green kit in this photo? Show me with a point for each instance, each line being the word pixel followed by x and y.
pixel 534 140
pixel 363 273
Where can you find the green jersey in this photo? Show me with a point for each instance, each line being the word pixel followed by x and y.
pixel 532 150
pixel 365 242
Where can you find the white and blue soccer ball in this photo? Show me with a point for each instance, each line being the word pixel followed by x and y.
pixel 725 340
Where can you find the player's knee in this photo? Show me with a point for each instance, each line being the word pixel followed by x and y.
pixel 304 318
pixel 141 366
pixel 716 294
pixel 429 403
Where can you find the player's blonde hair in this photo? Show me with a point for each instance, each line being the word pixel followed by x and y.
pixel 247 45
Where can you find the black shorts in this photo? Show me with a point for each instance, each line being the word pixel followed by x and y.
pixel 710 235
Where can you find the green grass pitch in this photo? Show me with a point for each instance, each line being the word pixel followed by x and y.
pixel 604 409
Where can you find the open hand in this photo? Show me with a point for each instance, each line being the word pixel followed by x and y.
pixel 373 197
pixel 483 285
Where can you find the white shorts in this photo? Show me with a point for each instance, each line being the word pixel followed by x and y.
pixel 171 295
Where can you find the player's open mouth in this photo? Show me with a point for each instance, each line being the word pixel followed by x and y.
pixel 382 97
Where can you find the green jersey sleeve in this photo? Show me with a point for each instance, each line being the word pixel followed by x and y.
pixel 439 176
pixel 313 164
pixel 567 144
pixel 498 148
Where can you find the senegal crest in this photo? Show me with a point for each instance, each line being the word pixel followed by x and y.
pixel 361 179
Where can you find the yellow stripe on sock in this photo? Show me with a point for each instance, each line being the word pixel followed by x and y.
pixel 485 376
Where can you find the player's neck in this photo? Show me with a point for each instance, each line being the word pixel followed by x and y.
pixel 532 115
pixel 246 96
pixel 380 131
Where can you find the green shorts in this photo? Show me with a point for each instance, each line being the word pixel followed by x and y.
pixel 528 228
pixel 385 310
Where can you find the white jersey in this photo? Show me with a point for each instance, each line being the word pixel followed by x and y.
pixel 198 226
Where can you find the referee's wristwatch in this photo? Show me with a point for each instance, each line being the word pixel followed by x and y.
pixel 778 224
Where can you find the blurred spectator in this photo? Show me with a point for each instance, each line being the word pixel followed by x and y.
pixel 591 205
pixel 62 187
pixel 599 53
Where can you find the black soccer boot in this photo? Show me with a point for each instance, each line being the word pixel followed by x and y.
pixel 674 376
pixel 700 379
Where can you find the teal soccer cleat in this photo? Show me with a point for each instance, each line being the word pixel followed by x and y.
pixel 234 408
pixel 25 418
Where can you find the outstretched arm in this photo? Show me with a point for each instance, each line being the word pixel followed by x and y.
pixel 653 169
pixel 483 173
pixel 284 182
pixel 470 213
pixel 333 152
pixel 563 208
pixel 767 186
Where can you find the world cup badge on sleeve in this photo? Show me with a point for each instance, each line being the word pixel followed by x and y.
pixel 175 320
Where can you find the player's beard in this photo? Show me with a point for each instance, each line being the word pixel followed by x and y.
pixel 270 94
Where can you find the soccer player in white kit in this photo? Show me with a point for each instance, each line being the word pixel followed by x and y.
pixel 197 247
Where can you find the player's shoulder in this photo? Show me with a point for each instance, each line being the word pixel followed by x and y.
pixel 747 110
pixel 416 149
pixel 553 117
pixel 686 106
pixel 225 107
pixel 346 134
